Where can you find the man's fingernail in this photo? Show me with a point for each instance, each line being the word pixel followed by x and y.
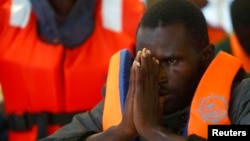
pixel 144 52
pixel 157 61
pixel 148 51
pixel 137 64
pixel 138 52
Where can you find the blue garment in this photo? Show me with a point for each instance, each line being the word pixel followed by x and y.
pixel 185 131
pixel 70 31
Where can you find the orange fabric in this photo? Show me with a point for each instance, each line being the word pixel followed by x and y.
pixel 4 17
pixel 238 52
pixel 216 34
pixel 210 102
pixel 30 74
pixel 135 16
pixel 112 113
pixel 39 77
pixel 26 136
pixel 52 128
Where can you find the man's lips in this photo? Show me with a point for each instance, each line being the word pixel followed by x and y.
pixel 164 93
pixel 164 90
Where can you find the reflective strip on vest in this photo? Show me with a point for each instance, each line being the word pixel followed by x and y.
pixel 144 1
pixel 20 13
pixel 211 99
pixel 112 14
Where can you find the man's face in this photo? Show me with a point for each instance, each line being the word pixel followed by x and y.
pixel 180 64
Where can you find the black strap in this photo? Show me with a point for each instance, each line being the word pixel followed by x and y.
pixel 20 123
pixel 42 120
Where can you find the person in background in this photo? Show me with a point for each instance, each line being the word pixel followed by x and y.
pixel 216 33
pixel 54 58
pixel 176 84
pixel 238 43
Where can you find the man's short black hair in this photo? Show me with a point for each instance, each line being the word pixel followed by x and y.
pixel 165 12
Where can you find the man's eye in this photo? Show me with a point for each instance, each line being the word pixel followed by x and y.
pixel 172 61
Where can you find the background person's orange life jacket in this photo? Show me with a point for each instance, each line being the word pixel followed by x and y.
pixel 238 52
pixel 43 83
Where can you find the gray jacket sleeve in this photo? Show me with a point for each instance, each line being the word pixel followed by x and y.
pixel 239 109
pixel 81 124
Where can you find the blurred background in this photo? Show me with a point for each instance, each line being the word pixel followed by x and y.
pixel 216 13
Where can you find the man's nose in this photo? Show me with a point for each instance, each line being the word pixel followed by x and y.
pixel 163 74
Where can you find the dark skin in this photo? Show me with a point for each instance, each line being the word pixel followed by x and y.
pixel 165 58
pixel 62 7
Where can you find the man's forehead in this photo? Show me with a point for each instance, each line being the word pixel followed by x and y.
pixel 148 34
pixel 172 38
pixel 160 27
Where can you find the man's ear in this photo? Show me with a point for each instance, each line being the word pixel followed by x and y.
pixel 207 55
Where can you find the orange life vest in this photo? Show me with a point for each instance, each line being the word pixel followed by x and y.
pixel 209 105
pixel 116 88
pixel 238 52
pixel 37 77
pixel 211 99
